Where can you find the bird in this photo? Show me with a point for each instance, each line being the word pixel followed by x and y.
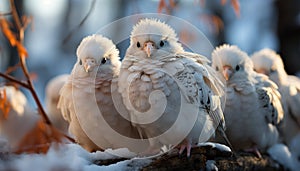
pixel 173 97
pixel 86 100
pixel 17 117
pixel 253 110
pixel 51 100
pixel 268 62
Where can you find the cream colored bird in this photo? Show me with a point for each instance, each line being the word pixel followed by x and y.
pixel 268 62
pixel 52 96
pixel 173 96
pixel 20 119
pixel 253 108
pixel 86 100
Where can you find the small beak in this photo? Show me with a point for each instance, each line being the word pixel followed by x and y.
pixel 88 65
pixel 227 71
pixel 148 48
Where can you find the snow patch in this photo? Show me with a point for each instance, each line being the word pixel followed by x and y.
pixel 218 146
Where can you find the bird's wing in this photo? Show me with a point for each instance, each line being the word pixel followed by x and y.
pixel 210 89
pixel 294 98
pixel 65 101
pixel 269 99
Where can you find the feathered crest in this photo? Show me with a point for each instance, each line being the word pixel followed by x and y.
pixel 267 58
pixel 231 54
pixel 97 44
pixel 155 27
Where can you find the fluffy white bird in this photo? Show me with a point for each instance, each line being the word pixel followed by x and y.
pixel 268 62
pixel 20 119
pixel 52 96
pixel 253 107
pixel 86 101
pixel 173 96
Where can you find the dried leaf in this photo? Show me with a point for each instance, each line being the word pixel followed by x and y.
pixel 39 139
pixel 172 3
pixel 236 6
pixel 223 2
pixel 7 32
pixel 214 22
pixel 33 76
pixel 161 6
pixel 12 37
pixel 4 104
pixel 12 68
pixel 185 36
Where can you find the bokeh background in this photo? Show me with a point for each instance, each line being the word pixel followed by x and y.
pixel 59 25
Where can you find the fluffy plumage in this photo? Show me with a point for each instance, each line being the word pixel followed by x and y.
pixel 21 117
pixel 173 96
pixel 86 100
pixel 253 108
pixel 52 96
pixel 268 62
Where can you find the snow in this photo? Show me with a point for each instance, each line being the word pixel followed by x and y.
pixel 71 157
pixel 281 154
pixel 218 146
pixel 211 165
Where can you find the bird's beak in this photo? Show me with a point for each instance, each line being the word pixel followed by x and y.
pixel 148 48
pixel 227 71
pixel 88 65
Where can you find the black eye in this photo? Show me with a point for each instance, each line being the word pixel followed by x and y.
pixel 237 67
pixel 217 68
pixel 161 44
pixel 138 44
pixel 80 62
pixel 103 61
pixel 272 70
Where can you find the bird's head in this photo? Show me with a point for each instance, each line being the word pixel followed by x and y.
pixel 152 38
pixel 267 61
pixel 97 51
pixel 231 62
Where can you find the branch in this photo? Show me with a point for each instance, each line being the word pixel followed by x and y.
pixel 92 7
pixel 20 30
pixel 12 79
pixel 5 14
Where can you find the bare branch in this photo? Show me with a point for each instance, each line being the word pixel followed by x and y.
pixel 12 79
pixel 92 7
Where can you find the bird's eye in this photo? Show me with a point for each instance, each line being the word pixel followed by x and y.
pixel 80 62
pixel 217 68
pixel 237 68
pixel 161 44
pixel 103 61
pixel 138 44
pixel 272 70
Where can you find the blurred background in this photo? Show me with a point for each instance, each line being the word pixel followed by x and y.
pixel 59 25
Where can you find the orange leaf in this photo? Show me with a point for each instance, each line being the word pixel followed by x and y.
pixel 7 32
pixel 236 6
pixel 223 2
pixel 33 76
pixel 12 38
pixel 172 3
pixel 4 104
pixel 161 6
pixel 21 50
pixel 39 139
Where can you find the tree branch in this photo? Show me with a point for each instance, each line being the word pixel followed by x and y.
pixel 92 7
pixel 12 79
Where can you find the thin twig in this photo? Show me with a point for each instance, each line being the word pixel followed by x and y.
pixel 92 7
pixel 5 14
pixel 20 30
pixel 10 78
